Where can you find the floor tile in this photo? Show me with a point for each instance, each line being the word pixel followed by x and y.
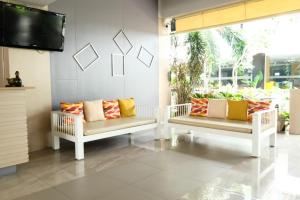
pixel 49 194
pixel 167 186
pixel 131 172
pixel 164 160
pixel 213 193
pixel 197 169
pixel 12 186
pixel 202 168
pixel 90 187
pixel 131 193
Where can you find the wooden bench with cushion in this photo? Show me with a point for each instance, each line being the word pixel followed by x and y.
pixel 263 125
pixel 72 127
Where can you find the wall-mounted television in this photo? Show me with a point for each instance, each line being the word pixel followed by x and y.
pixel 25 27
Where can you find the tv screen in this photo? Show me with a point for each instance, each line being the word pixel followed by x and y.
pixel 32 28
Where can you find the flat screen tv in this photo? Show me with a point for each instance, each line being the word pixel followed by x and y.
pixel 25 27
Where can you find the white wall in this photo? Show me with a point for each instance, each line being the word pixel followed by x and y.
pixel 173 8
pixel 97 22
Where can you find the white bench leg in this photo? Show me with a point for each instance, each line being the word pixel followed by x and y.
pixel 191 133
pixel 273 140
pixel 55 142
pixel 256 147
pixel 160 132
pixel 131 138
pixel 166 132
pixel 79 150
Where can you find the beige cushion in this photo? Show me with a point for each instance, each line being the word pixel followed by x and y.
pixel 93 110
pixel 213 123
pixel 92 128
pixel 217 108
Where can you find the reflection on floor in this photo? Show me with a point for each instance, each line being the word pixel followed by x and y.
pixel 207 168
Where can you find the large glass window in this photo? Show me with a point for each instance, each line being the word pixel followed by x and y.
pixel 261 54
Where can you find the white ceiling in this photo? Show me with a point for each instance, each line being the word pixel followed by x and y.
pixel 37 2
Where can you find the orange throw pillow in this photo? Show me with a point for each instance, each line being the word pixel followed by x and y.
pixel 72 108
pixel 199 107
pixel 255 106
pixel 111 109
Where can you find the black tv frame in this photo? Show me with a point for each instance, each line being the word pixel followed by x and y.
pixel 3 4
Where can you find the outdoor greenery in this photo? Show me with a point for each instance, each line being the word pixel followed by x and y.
pixel 285 116
pixel 185 77
pixel 218 62
pixel 196 52
pixel 220 95
pixel 256 81
pixel 238 46
pixel 203 59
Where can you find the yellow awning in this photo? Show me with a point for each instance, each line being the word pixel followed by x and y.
pixel 239 12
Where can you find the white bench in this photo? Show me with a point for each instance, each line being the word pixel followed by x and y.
pixel 72 128
pixel 263 125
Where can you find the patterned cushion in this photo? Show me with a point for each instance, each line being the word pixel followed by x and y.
pixel 255 106
pixel 72 108
pixel 111 109
pixel 199 107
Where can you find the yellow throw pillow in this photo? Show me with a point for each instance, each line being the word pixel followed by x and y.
pixel 127 107
pixel 237 110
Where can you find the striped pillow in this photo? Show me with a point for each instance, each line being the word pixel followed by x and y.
pixel 72 108
pixel 255 106
pixel 111 109
pixel 199 107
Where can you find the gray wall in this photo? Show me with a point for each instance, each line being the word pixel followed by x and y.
pixel 173 8
pixel 97 22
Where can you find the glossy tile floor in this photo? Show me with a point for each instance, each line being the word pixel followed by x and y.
pixel 184 168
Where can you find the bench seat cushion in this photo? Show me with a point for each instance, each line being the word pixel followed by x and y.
pixel 213 123
pixel 97 127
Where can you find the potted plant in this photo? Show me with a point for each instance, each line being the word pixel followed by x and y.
pixel 284 121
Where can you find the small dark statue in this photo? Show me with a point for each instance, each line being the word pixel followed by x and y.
pixel 15 82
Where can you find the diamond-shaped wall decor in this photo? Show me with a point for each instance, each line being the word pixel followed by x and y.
pixel 123 42
pixel 145 57
pixel 86 57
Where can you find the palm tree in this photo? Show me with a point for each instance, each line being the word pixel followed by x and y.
pixel 239 47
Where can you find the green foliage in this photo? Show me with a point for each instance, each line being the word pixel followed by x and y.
pixel 239 47
pixel 203 58
pixel 256 81
pixel 185 77
pixel 204 95
pixel 219 95
pixel 285 116
pixel 212 53
pixel 180 83
pixel 231 96
pixel 196 51
pixel 235 40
